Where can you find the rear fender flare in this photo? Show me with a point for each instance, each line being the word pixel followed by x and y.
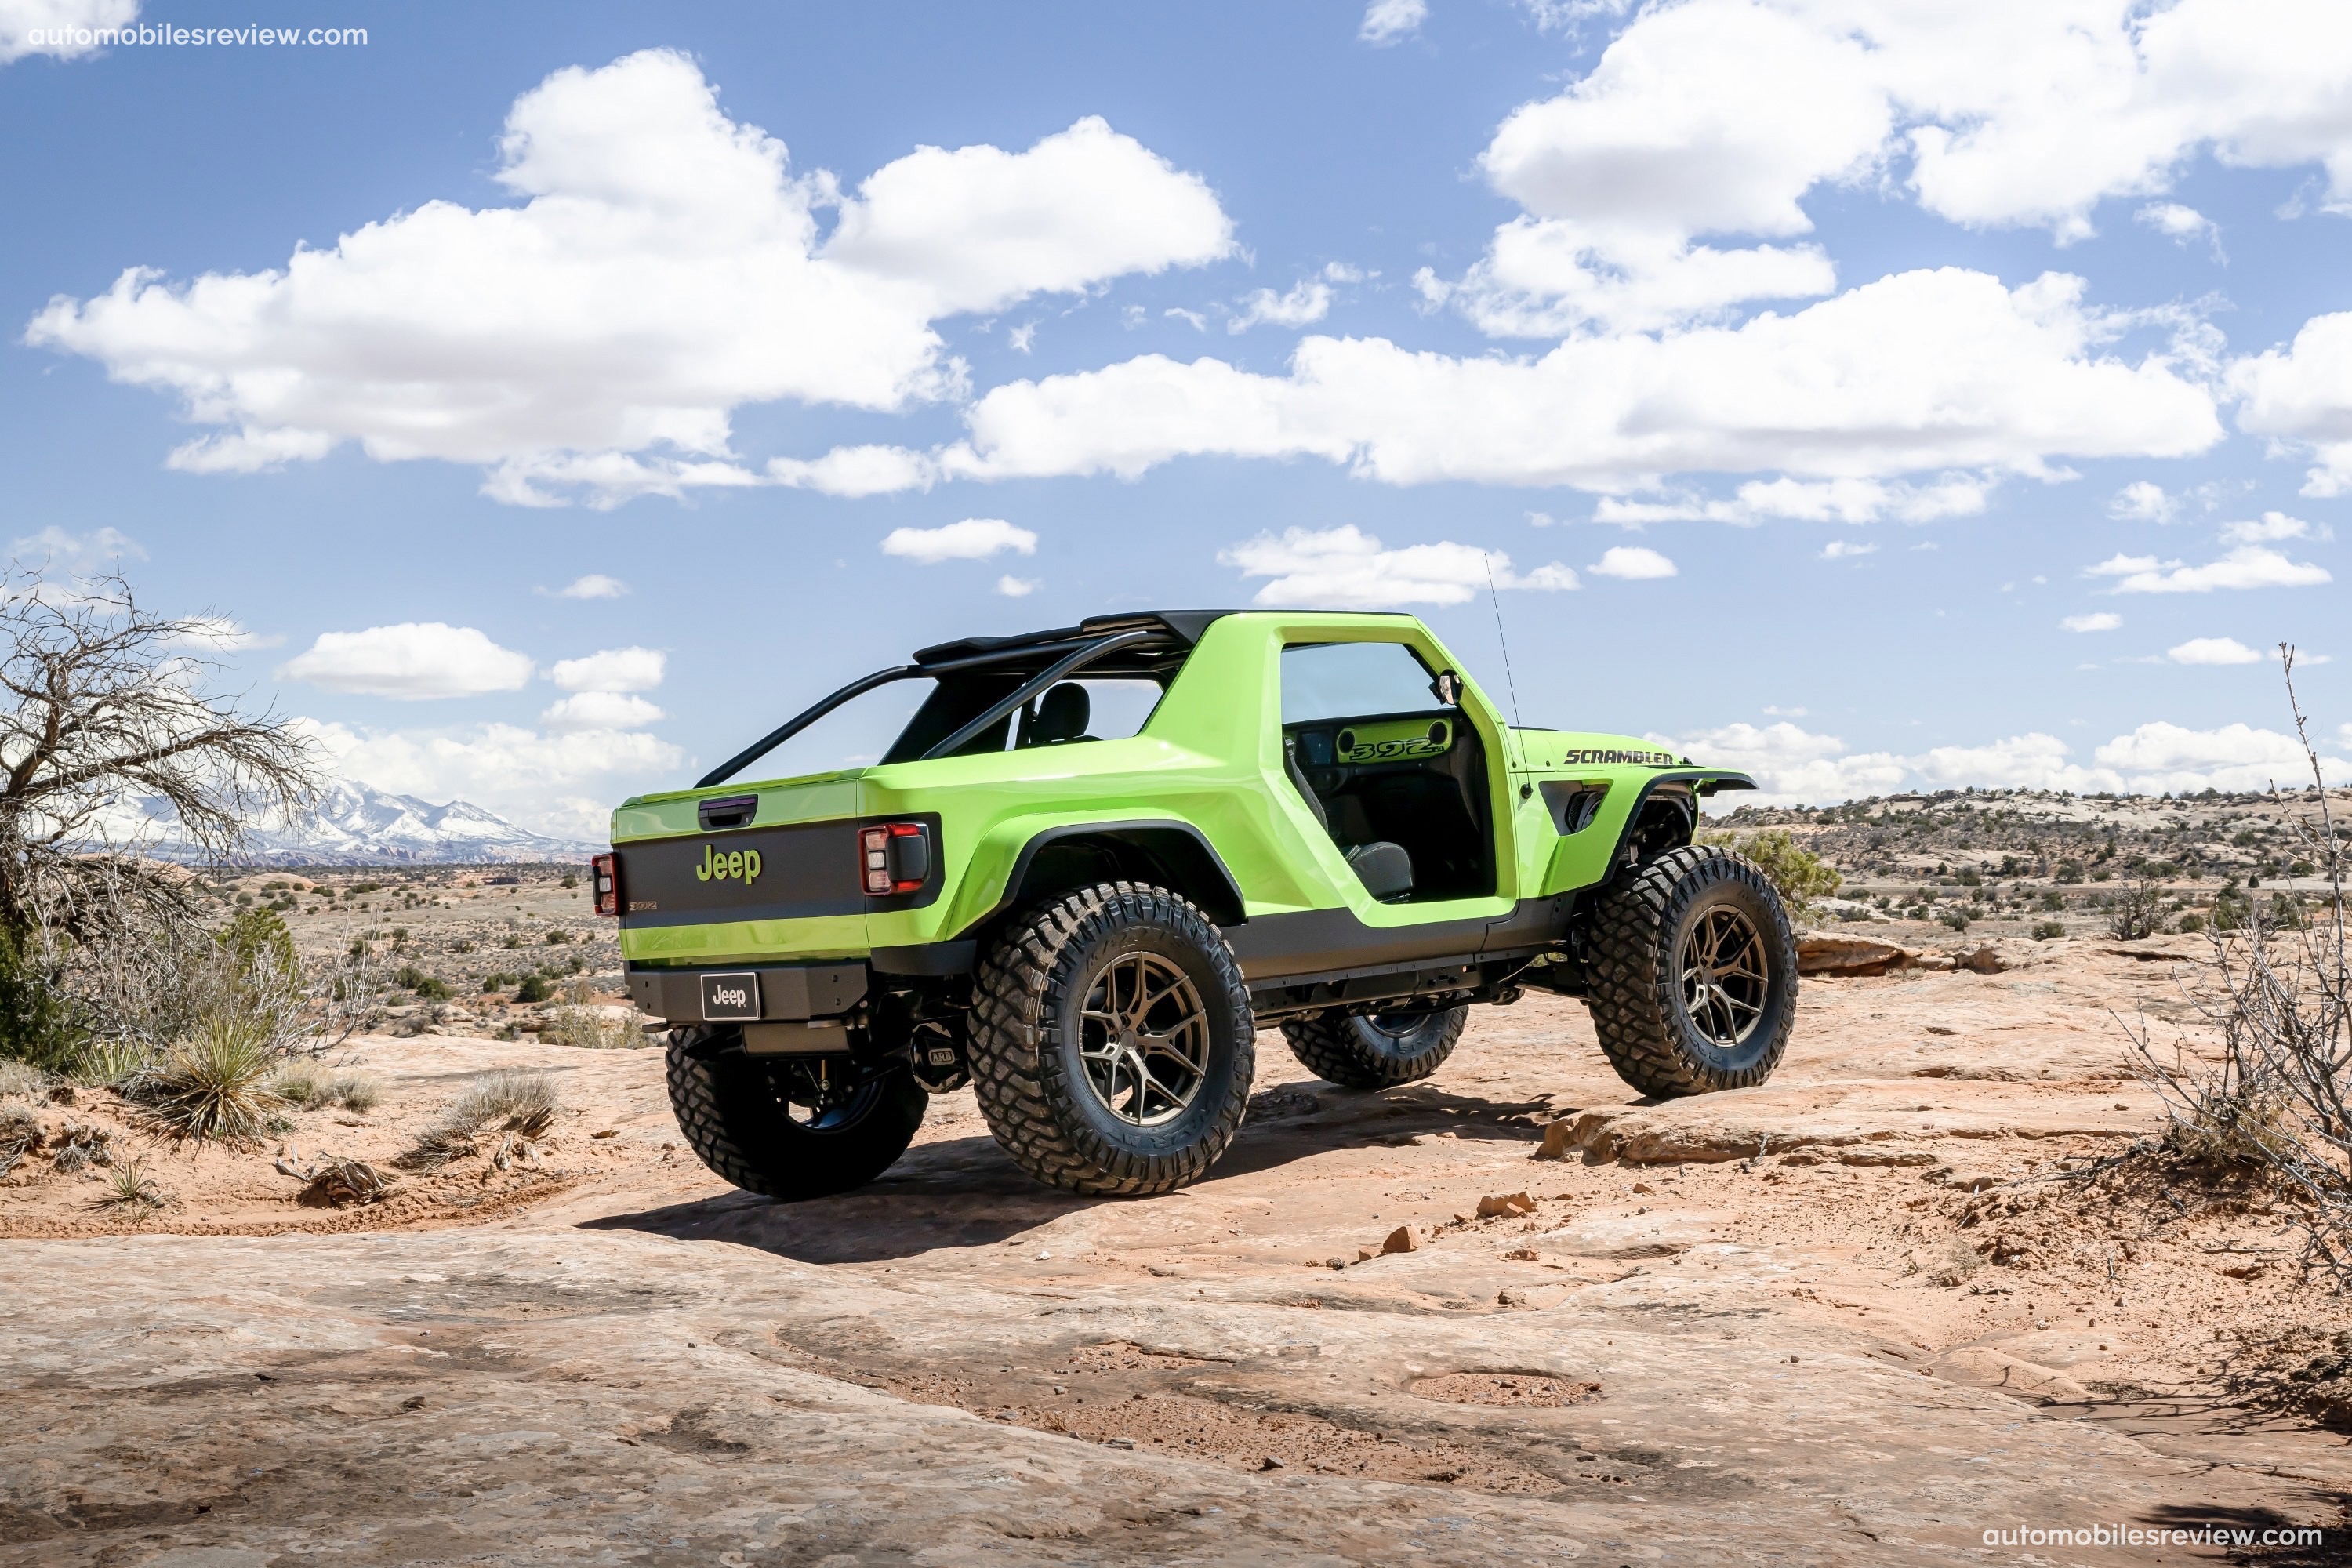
pixel 1179 855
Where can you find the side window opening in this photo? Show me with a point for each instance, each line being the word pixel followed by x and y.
pixel 1392 771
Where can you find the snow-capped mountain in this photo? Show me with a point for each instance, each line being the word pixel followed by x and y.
pixel 357 825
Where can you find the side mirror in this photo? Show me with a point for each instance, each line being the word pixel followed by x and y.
pixel 1447 688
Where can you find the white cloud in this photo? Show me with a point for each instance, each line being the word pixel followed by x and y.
pixel 2180 224
pixel 595 585
pixel 2158 757
pixel 2248 567
pixel 1386 21
pixel 856 471
pixel 1814 501
pixel 1633 563
pixel 564 784
pixel 97 551
pixel 1846 550
pixel 2099 621
pixel 2213 650
pixel 1013 587
pixel 973 539
pixel 1345 568
pixel 412 662
pixel 1193 319
pixel 1789 763
pixel 599 710
pixel 1308 301
pixel 612 669
pixel 2142 500
pixel 58 26
pixel 2271 527
pixel 1720 117
pixel 1930 370
pixel 1793 765
pixel 2301 397
pixel 663 270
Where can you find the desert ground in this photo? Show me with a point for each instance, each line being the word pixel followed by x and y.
pixel 1937 1277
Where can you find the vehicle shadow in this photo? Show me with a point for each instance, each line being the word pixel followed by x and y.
pixel 967 1192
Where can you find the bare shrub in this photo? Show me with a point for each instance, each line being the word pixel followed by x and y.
pixel 2279 993
pixel 313 1088
pixel 102 706
pixel 520 1101
pixel 591 1028
pixel 2137 912
pixel 20 1133
pixel 79 1147
pixel 23 1079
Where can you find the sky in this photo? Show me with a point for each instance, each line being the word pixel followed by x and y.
pixel 548 399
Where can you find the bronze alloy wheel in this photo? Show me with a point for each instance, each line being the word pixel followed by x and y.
pixel 1144 1040
pixel 1724 977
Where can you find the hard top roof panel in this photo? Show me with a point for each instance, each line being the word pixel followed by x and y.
pixel 1182 628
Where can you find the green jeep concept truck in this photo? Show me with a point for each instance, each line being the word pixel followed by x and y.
pixel 1097 860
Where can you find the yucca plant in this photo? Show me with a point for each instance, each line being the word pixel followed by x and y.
pixel 214 1083
pixel 133 1189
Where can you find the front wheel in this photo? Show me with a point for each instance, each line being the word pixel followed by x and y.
pixel 1111 1043
pixel 787 1127
pixel 1693 973
pixel 1379 1051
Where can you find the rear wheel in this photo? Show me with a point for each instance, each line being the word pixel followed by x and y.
pixel 787 1127
pixel 1376 1052
pixel 1111 1041
pixel 1693 973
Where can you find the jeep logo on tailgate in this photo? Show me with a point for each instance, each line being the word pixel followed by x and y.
pixel 730 865
pixel 730 996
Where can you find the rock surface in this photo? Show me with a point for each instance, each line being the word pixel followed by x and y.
pixel 1841 1318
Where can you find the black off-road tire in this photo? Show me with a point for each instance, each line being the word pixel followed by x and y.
pixel 1636 991
pixel 1377 1052
pixel 1025 1032
pixel 736 1122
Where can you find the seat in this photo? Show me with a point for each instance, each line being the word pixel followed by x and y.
pixel 1062 715
pixel 1383 868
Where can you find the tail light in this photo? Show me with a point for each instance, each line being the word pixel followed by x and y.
pixel 894 858
pixel 605 882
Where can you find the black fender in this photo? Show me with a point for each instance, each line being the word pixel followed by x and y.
pixel 1178 854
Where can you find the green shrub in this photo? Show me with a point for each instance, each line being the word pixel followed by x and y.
pixel 213 1085
pixel 1957 920
pixel 2048 931
pixel 2053 900
pixel 40 1025
pixel 557 936
pixel 534 988
pixel 1799 873
pixel 2189 924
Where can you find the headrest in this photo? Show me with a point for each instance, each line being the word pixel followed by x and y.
pixel 1061 714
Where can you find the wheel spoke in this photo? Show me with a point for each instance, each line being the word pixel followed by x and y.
pixel 1726 979
pixel 1141 1074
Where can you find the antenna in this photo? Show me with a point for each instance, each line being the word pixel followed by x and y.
pixel 1497 599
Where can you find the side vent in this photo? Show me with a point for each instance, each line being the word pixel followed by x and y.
pixel 1572 806
pixel 729 811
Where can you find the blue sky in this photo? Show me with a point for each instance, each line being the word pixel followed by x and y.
pixel 1804 370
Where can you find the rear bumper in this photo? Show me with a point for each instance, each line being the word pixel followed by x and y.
pixel 796 991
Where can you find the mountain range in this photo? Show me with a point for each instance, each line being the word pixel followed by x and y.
pixel 359 825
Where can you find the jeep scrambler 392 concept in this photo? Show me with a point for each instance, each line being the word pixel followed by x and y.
pixel 1321 824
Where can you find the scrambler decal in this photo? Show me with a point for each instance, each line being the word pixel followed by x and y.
pixel 1634 759
pixel 1394 742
